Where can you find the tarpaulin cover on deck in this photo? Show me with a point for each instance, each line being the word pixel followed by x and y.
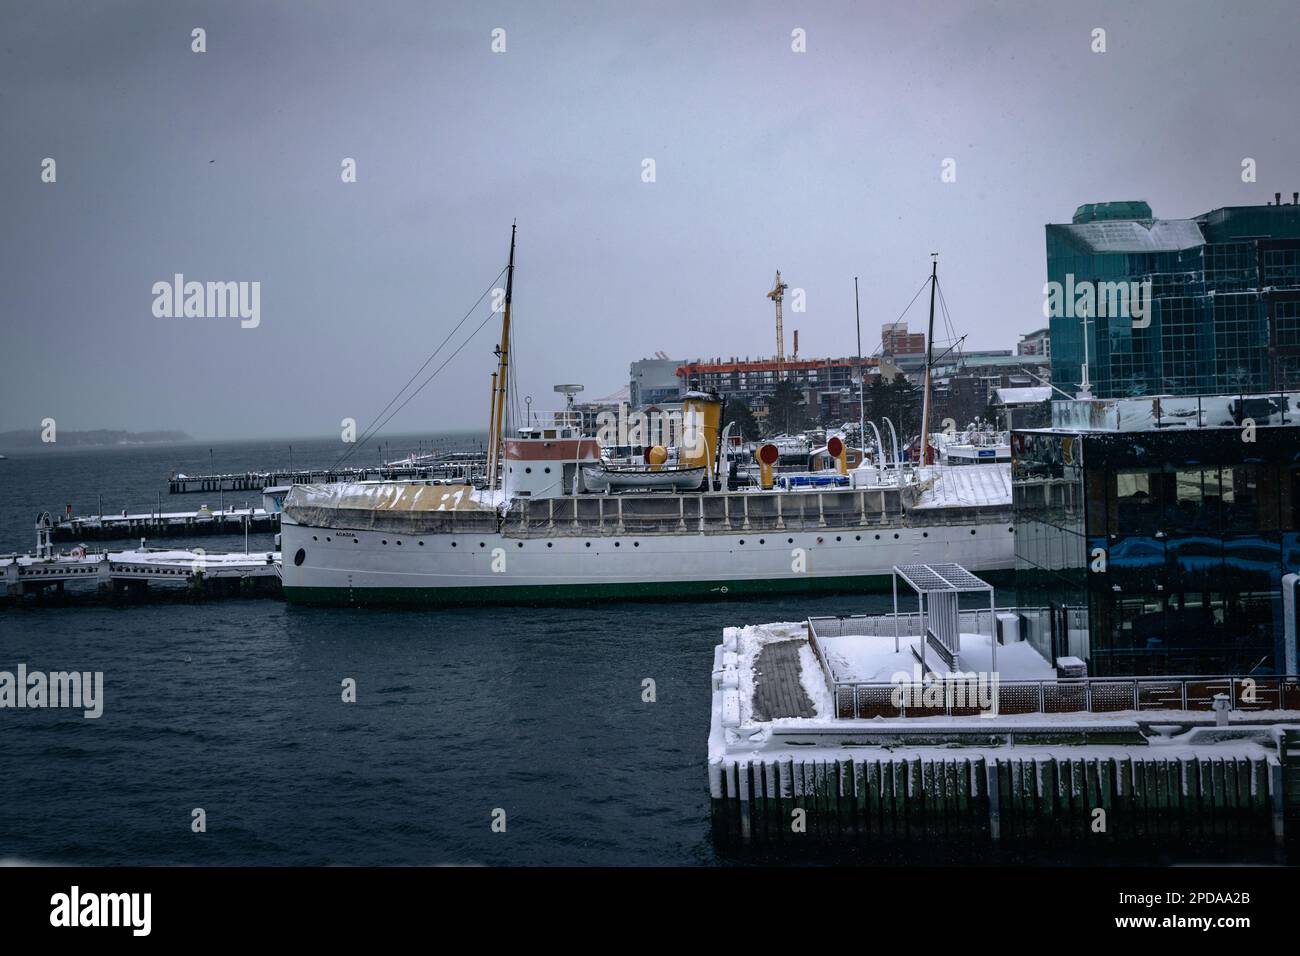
pixel 410 507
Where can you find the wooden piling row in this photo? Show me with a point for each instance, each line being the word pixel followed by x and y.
pixel 977 799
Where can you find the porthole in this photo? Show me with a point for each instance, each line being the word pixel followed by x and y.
pixel 548 470
pixel 519 544
pixel 589 544
pixel 399 544
pixel 420 543
pixel 925 534
pixel 636 544
pixel 762 541
pixel 314 538
pixel 972 530
pixel 838 538
pixel 895 535
pixel 482 544
pixel 549 544
pixel 453 544
pixel 616 544
pixel 857 537
pixel 327 538
pixel 742 540
pixel 877 537
pixel 299 558
pixel 528 470
pixel 385 541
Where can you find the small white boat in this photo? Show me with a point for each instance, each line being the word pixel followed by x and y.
pixel 605 478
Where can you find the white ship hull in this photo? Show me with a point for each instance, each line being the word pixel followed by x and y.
pixel 324 565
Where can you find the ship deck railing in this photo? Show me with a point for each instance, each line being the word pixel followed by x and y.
pixel 705 512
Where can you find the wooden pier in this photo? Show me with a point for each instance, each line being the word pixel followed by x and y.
pixel 129 574
pixel 789 764
pixel 175 524
pixel 468 468
pixel 1074 796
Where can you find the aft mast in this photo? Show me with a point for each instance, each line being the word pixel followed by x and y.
pixel 924 457
pixel 496 438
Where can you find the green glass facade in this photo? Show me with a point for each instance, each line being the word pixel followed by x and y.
pixel 1161 550
pixel 1224 310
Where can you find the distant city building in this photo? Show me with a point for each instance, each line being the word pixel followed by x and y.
pixel 653 382
pixel 1037 342
pixel 964 387
pixel 1151 539
pixel 1176 306
pixel 906 349
pixel 751 381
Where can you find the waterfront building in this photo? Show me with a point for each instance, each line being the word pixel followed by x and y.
pixel 905 349
pixel 1157 532
pixel 753 381
pixel 1204 305
pixel 1037 342
pixel 654 381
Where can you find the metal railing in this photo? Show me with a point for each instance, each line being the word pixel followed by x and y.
pixel 1095 695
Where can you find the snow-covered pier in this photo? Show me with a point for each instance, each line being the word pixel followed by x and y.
pixel 165 524
pixel 447 467
pixel 130 574
pixel 902 727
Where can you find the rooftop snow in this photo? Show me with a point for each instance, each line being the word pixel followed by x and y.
pixel 957 486
pixel 1022 396
pixel 1132 235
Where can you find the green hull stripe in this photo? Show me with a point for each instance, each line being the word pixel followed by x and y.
pixel 587 593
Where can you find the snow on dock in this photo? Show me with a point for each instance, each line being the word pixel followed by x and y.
pixel 167 524
pixel 130 572
pixel 816 738
pixel 443 467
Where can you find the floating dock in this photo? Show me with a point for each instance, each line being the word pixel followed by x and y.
pixel 839 730
pixel 173 524
pixel 131 573
pixel 467 468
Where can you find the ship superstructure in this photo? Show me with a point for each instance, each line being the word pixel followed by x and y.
pixel 558 521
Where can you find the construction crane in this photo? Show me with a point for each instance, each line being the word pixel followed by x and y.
pixel 777 295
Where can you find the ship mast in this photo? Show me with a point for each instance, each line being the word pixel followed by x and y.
pixel 496 437
pixel 924 458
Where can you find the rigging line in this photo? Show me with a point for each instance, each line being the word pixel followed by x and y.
pixel 367 433
pixel 371 429
pixel 914 298
pixel 947 320
pixel 435 372
pixel 879 349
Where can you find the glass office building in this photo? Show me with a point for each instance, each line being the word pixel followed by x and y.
pixel 1155 533
pixel 1224 300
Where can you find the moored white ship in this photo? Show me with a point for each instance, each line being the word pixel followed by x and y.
pixel 547 535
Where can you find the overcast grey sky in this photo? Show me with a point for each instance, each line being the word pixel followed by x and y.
pixel 225 165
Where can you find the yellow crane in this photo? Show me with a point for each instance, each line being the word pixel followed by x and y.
pixel 777 295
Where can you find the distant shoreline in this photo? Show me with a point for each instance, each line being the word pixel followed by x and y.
pixel 23 440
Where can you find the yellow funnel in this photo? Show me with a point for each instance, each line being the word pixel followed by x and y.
pixel 701 418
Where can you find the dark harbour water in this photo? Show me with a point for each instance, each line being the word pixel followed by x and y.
pixel 234 706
